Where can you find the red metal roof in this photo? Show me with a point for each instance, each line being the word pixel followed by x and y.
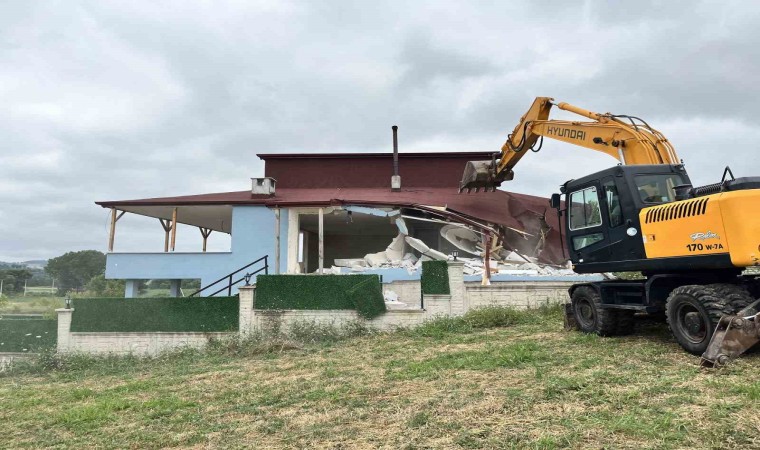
pixel 509 209
pixel 364 179
pixel 427 155
pixel 368 170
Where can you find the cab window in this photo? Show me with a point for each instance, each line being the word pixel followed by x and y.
pixel 658 188
pixel 584 209
pixel 614 213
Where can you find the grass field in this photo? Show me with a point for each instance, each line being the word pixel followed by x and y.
pixel 450 384
pixel 31 304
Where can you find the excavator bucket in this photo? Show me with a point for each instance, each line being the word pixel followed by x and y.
pixel 733 336
pixel 482 175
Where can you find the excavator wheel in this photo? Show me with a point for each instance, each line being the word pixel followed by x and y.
pixel 588 314
pixel 693 312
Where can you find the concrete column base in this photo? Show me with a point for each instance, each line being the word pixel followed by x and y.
pixel 247 303
pixel 64 329
pixel 130 291
pixel 174 288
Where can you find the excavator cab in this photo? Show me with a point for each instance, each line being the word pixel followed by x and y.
pixel 601 228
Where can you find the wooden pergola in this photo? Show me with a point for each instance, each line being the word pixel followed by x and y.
pixel 207 218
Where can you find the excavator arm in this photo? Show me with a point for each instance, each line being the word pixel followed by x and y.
pixel 626 138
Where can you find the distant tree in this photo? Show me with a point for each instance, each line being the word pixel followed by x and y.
pixel 40 278
pixel 73 270
pixel 98 286
pixel 14 279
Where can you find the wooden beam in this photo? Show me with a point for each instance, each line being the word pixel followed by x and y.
pixel 321 239
pixel 174 227
pixel 112 230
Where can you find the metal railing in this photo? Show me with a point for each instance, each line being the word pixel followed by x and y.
pixel 229 278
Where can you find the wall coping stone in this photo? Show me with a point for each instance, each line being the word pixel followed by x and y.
pixel 149 333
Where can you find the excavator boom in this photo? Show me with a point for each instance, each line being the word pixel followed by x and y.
pixel 626 138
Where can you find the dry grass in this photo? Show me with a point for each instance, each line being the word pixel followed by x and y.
pixel 529 385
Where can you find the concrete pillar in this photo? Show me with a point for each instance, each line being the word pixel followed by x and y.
pixel 293 230
pixel 130 291
pixel 174 288
pixel 457 289
pixel 247 304
pixel 64 329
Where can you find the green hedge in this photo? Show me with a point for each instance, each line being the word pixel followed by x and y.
pixel 435 277
pixel 201 314
pixel 360 292
pixel 27 335
pixel 367 298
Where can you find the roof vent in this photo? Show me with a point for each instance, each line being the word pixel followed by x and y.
pixel 263 186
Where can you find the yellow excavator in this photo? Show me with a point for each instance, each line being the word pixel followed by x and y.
pixel 692 244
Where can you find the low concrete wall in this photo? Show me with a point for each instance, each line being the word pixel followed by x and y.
pixel 143 344
pixel 8 358
pixel 463 297
pixel 520 295
pixel 272 321
pixel 148 344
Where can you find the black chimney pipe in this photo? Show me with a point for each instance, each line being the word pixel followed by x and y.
pixel 395 150
pixel 395 179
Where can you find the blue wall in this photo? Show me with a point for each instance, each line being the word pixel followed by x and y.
pixel 253 236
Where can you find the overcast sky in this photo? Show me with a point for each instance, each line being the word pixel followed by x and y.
pixel 118 100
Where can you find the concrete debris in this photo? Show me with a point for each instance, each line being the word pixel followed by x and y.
pixel 425 250
pixel 400 255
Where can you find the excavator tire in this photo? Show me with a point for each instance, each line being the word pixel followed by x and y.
pixel 693 312
pixel 588 314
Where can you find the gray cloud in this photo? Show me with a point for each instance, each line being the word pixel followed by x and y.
pixel 102 101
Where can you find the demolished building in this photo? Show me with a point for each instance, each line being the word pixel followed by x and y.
pixel 338 213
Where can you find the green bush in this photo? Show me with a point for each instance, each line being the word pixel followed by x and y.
pixel 359 292
pixel 27 335
pixel 206 314
pixel 435 278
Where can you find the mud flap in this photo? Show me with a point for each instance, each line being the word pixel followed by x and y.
pixel 733 336
pixel 570 322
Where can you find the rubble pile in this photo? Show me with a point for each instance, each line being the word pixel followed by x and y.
pixel 400 255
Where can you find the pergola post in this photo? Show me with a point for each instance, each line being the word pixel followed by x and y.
pixel 321 239
pixel 112 231
pixel 167 226
pixel 205 232
pixel 174 227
